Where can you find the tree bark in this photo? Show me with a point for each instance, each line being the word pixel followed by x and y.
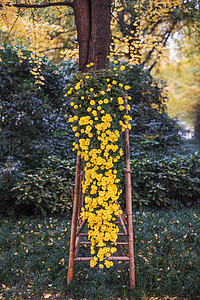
pixel 92 18
pixel 82 13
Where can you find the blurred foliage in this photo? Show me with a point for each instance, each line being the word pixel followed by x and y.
pixel 182 74
pixel 141 29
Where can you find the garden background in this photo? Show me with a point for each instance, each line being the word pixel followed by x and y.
pixel 37 164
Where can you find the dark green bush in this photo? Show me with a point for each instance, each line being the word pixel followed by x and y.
pixel 48 189
pixel 152 128
pixel 166 180
pixel 9 174
pixel 32 121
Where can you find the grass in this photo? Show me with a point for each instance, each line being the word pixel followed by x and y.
pixel 34 259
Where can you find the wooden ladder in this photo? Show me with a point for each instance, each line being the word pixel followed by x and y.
pixel 125 222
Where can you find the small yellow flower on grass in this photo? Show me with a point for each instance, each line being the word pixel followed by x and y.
pixel 158 279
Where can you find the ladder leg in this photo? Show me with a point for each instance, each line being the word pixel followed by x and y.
pixel 74 221
pixel 129 206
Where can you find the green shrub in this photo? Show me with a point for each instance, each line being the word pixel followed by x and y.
pixel 164 181
pixel 152 128
pixel 48 189
pixel 9 173
pixel 32 121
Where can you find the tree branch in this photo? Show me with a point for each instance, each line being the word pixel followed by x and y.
pixel 43 5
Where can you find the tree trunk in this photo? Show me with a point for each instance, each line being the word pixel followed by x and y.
pixel 92 18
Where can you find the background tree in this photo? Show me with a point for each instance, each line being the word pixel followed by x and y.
pixel 147 25
pixel 182 74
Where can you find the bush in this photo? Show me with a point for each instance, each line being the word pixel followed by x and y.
pixel 48 189
pixel 32 121
pixel 167 180
pixel 9 173
pixel 152 128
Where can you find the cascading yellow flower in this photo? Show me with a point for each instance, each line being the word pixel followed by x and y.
pixel 99 144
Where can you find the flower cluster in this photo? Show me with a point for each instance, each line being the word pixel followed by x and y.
pixel 100 118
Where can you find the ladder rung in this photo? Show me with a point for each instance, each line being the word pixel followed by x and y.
pixel 89 243
pixel 114 258
pixel 119 234
pixel 122 243
pixel 86 243
pixel 122 234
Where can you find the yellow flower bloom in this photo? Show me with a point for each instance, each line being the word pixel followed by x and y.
pixel 100 266
pixel 121 107
pixel 92 102
pixel 94 112
pixel 77 87
pixel 120 100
